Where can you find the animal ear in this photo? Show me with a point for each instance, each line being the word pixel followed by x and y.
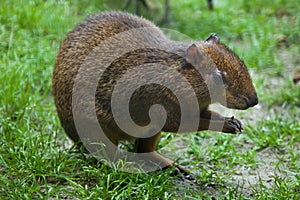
pixel 213 39
pixel 193 55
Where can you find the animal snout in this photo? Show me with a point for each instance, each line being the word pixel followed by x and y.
pixel 252 100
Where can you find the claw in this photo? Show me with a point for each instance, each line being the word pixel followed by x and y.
pixel 237 123
pixel 232 125
pixel 183 174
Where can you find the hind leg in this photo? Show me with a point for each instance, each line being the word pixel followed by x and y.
pixel 147 145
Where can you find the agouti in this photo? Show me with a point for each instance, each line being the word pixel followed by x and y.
pixel 109 54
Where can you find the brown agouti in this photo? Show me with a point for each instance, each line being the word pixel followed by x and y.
pixel 112 47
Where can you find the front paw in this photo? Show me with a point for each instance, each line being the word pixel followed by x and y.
pixel 232 125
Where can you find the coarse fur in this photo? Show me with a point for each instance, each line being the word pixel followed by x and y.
pixel 203 64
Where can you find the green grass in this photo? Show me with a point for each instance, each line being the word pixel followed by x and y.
pixel 36 163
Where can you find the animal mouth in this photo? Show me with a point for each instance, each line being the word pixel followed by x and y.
pixel 241 102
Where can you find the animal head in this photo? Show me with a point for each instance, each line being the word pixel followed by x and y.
pixel 221 67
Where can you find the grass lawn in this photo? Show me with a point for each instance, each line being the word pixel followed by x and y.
pixel 37 161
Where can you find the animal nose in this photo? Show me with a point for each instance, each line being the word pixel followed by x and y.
pixel 252 101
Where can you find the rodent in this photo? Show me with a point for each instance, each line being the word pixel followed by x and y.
pixel 217 62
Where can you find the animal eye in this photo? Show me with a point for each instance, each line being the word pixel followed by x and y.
pixel 220 76
pixel 217 77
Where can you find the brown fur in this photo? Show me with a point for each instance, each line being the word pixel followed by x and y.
pixel 188 58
